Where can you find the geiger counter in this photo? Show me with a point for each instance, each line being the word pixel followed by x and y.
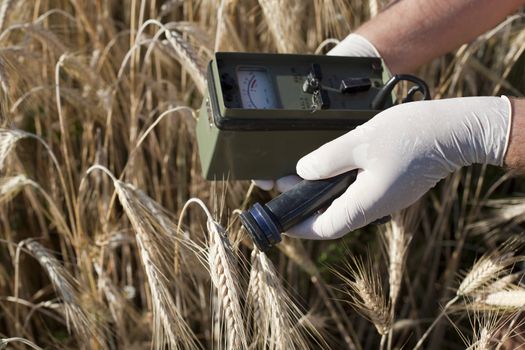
pixel 263 112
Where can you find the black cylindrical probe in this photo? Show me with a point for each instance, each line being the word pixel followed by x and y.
pixel 265 223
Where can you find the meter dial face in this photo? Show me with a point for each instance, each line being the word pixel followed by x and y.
pixel 256 87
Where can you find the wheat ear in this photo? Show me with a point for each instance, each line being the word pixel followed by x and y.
pixel 223 271
pixel 169 327
pixel 8 139
pixel 278 322
pixel 397 238
pixel 257 301
pixel 10 186
pixel 484 272
pixel 507 299
pixel 367 294
pixel 169 322
pixel 67 287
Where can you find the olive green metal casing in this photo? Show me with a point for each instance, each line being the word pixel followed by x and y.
pixel 239 143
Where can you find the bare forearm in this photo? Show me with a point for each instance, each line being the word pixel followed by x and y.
pixel 412 32
pixel 515 157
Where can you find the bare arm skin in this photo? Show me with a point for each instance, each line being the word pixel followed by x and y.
pixel 413 32
pixel 426 29
pixel 515 157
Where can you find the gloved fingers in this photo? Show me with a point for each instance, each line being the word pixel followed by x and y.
pixel 287 182
pixel 264 185
pixel 354 45
pixel 345 214
pixel 282 184
pixel 332 158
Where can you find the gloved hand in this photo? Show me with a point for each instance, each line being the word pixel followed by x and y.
pixel 401 153
pixel 353 45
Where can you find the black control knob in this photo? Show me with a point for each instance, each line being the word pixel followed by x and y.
pixel 353 85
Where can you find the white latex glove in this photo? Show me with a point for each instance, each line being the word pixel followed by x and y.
pixel 353 45
pixel 401 153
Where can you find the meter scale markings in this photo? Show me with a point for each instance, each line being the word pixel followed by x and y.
pixel 257 90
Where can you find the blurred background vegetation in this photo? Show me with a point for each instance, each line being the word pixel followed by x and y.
pixel 117 84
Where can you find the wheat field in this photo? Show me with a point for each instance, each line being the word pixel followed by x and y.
pixel 111 239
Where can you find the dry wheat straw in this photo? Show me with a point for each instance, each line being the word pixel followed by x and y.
pixel 373 7
pixel 396 240
pixel 4 78
pixel 169 6
pixel 10 186
pixel 82 321
pixel 4 12
pixel 169 327
pixel 281 332
pixel 116 302
pixel 4 343
pixel 487 327
pixel 296 252
pixel 282 18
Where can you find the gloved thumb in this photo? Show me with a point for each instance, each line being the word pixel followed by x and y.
pixel 333 158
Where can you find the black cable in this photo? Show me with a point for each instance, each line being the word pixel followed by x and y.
pixel 383 95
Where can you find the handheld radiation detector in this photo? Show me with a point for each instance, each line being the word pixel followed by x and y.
pixel 263 112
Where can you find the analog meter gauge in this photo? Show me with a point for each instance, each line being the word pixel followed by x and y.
pixel 256 88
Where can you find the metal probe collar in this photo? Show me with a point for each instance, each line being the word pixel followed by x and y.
pixel 261 226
